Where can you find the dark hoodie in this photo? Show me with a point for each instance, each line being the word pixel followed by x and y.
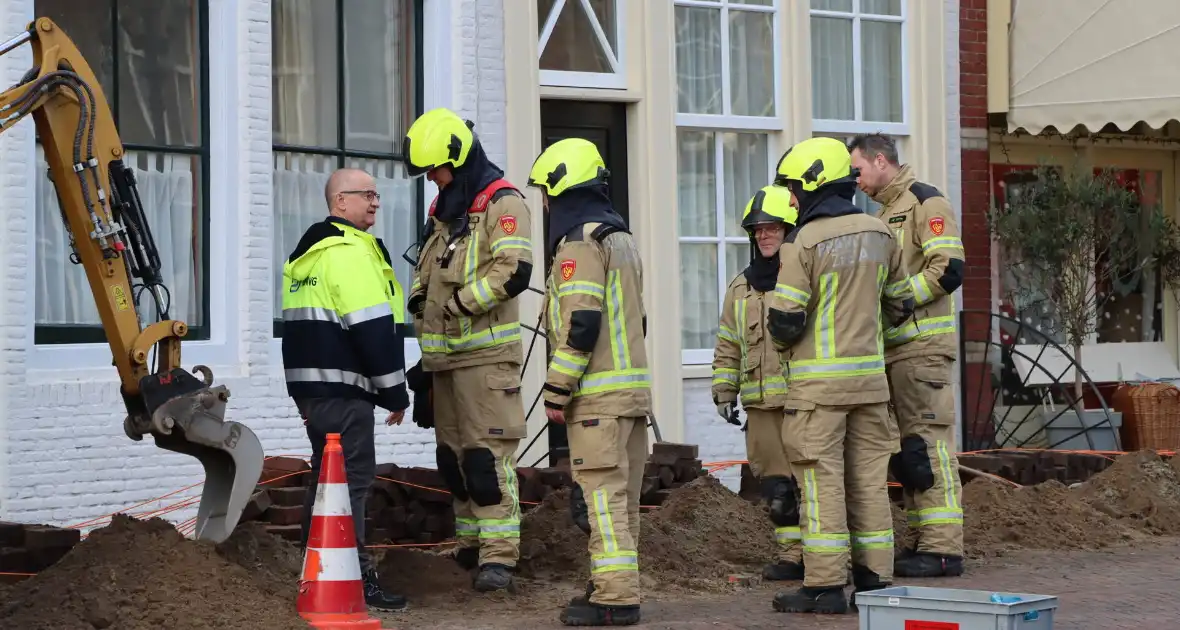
pixel 577 207
pixel 762 274
pixel 468 180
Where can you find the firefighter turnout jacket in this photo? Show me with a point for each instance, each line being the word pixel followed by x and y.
pixel 746 364
pixel 922 219
pixel 464 293
pixel 842 277
pixel 343 318
pixel 596 324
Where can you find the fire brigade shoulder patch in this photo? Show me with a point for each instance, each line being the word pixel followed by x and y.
pixel 567 268
pixel 937 226
pixel 508 224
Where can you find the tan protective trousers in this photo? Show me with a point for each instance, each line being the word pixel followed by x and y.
pixel 924 404
pixel 768 458
pixel 478 424
pixel 607 456
pixel 840 455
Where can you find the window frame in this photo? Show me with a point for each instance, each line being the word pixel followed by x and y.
pixel 771 127
pixel 342 153
pixel 616 80
pixel 73 337
pixel 859 124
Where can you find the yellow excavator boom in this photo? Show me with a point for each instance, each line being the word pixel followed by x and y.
pixel 113 242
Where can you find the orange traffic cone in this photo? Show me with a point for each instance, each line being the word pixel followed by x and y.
pixel 331 595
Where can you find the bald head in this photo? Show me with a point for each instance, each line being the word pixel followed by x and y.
pixel 351 194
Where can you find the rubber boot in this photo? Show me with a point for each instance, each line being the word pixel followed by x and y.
pixel 864 580
pixel 783 570
pixel 468 558
pixel 582 612
pixel 376 597
pixel 924 565
pixel 828 600
pixel 582 600
pixel 494 577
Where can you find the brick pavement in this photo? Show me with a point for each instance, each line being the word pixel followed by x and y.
pixel 1130 588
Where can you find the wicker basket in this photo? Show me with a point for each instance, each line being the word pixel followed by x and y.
pixel 1151 416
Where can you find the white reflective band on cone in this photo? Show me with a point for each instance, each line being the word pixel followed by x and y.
pixel 336 565
pixel 331 499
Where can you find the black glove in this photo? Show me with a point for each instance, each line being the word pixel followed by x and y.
pixel 422 384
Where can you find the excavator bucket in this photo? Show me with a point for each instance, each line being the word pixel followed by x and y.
pixel 193 423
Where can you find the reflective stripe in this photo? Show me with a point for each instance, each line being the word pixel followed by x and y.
pixel 757 391
pixel 921 329
pixel 788 535
pixel 582 287
pixel 882 279
pixel 568 364
pixel 368 313
pixel 922 293
pixel 510 242
pixel 331 499
pixel 606 525
pixel 810 501
pixel 788 292
pixel 498 335
pixel 812 369
pixel 508 468
pixel 948 474
pixel 334 564
pixel 612 380
pixel 466 527
pixel 612 559
pixel 899 289
pixel 310 314
pixel 728 335
pixel 825 543
pixel 620 352
pixel 482 290
pixel 935 516
pixel 499 528
pixel 942 242
pixel 320 375
pixel 873 540
pixel 612 562
pixel 825 323
pixel 725 376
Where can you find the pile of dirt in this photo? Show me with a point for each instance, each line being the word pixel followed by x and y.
pixel 144 575
pixel 1140 488
pixel 551 546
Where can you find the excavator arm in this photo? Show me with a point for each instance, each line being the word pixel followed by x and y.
pixel 113 242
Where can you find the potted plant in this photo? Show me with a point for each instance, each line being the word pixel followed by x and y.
pixel 1067 236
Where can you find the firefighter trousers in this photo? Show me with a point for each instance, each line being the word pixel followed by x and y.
pixel 768 462
pixel 840 455
pixel 926 467
pixel 478 424
pixel 607 457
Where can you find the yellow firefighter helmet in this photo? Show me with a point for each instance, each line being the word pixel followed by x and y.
pixel 814 163
pixel 438 137
pixel 567 164
pixel 771 204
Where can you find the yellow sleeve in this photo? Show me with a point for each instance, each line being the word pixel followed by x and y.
pixel 581 287
pixel 942 247
pixel 508 228
pixel 727 355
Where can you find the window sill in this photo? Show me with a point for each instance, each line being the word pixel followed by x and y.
pixel 93 362
pixel 688 372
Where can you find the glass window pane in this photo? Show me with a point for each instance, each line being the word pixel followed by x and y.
pixel 159 72
pixel 761 3
pixel 700 304
pixel 696 182
pixel 573 45
pixel 747 168
pixel 737 258
pixel 170 188
pixel 832 5
pixel 303 73
pixel 881 71
pixel 751 63
pixel 378 73
pixel 881 7
pixel 606 12
pixel 400 218
pixel 698 60
pixel 832 94
pixel 1132 303
pixel 544 8
pixel 88 24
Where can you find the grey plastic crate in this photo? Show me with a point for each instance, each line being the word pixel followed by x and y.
pixel 926 608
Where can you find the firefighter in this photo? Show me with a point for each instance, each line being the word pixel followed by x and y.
pixel 472 266
pixel 841 276
pixel 920 357
pixel 746 364
pixel 597 382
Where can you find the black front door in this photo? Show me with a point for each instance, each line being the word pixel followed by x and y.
pixel 604 124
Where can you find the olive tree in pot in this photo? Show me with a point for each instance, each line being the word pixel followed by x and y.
pixel 1066 235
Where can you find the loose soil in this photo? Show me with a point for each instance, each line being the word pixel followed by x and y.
pixel 144 575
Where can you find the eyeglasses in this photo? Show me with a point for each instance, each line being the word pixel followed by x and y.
pixel 371 195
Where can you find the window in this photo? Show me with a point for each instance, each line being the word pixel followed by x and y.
pixel 150 60
pixel 581 43
pixel 858 69
pixel 727 111
pixel 862 200
pixel 346 86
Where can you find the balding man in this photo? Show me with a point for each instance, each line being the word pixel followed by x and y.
pixel 343 330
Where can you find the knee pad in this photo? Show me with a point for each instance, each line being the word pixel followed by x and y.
pixel 911 466
pixel 448 467
pixel 779 493
pixel 482 483
pixel 579 510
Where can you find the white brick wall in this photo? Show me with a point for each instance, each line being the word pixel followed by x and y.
pixel 65 458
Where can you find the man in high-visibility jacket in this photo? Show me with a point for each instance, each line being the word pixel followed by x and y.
pixel 598 382
pixel 747 366
pixel 842 276
pixel 474 263
pixel 920 356
pixel 343 333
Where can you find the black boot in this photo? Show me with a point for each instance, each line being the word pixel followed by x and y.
pixel 922 565
pixel 584 599
pixel 864 579
pixel 582 612
pixel 783 570
pixel 467 557
pixel 376 597
pixel 827 600
pixel 494 577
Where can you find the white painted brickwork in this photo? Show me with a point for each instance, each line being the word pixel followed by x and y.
pixel 65 458
pixel 718 439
